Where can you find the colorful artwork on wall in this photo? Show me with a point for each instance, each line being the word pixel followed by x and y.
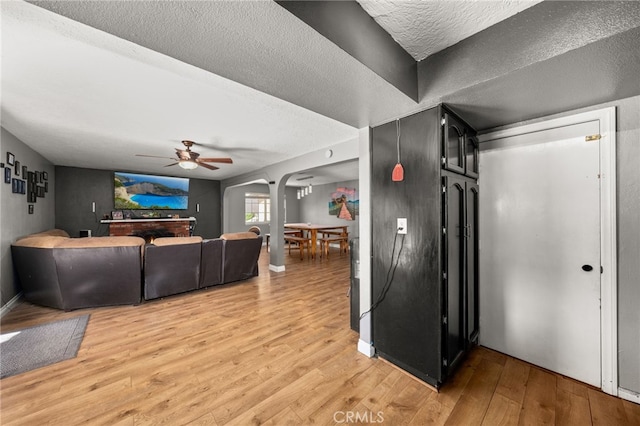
pixel 344 203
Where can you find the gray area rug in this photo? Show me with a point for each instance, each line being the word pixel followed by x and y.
pixel 35 347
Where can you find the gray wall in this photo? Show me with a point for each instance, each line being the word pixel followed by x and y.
pixel 77 188
pixel 628 221
pixel 235 198
pixel 14 218
pixel 314 207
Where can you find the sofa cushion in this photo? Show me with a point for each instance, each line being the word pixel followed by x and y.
pixel 37 241
pixel 172 241
pixel 55 233
pixel 49 233
pixel 239 236
pixel 94 242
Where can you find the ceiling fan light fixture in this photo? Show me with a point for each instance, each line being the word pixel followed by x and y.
pixel 188 164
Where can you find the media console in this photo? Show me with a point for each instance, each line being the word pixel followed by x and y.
pixel 180 227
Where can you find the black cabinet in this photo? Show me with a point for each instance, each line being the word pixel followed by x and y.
pixel 424 283
pixel 453 143
pixel 471 151
pixel 471 268
pixel 460 279
pixel 459 145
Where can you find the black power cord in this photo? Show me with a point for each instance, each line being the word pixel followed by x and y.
pixel 390 274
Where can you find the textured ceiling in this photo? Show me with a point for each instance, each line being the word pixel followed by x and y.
pixel 423 28
pixel 85 98
pixel 92 83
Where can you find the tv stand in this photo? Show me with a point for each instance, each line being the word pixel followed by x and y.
pixel 181 227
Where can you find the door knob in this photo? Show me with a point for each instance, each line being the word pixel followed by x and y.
pixel 587 268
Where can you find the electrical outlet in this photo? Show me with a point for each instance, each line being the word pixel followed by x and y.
pixel 402 225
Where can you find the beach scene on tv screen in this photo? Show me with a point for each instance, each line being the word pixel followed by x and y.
pixel 138 191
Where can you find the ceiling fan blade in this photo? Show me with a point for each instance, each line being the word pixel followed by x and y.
pixel 208 166
pixel 154 156
pixel 217 160
pixel 172 164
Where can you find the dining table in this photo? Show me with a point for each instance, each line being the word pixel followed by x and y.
pixel 313 229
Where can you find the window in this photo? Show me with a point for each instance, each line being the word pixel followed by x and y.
pixel 257 208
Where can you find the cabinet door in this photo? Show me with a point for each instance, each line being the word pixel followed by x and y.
pixel 452 143
pixel 472 311
pixel 471 155
pixel 454 288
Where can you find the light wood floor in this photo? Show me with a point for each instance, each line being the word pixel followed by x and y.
pixel 273 350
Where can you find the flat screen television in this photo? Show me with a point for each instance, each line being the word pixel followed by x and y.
pixel 133 191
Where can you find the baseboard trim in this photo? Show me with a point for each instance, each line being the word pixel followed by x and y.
pixel 366 348
pixel 276 268
pixel 10 305
pixel 629 395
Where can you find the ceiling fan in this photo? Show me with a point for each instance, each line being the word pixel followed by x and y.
pixel 189 160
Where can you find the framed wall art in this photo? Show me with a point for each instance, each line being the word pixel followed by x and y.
pixel 344 203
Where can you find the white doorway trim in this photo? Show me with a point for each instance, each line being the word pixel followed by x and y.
pixel 608 243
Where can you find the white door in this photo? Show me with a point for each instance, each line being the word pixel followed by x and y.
pixel 540 249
